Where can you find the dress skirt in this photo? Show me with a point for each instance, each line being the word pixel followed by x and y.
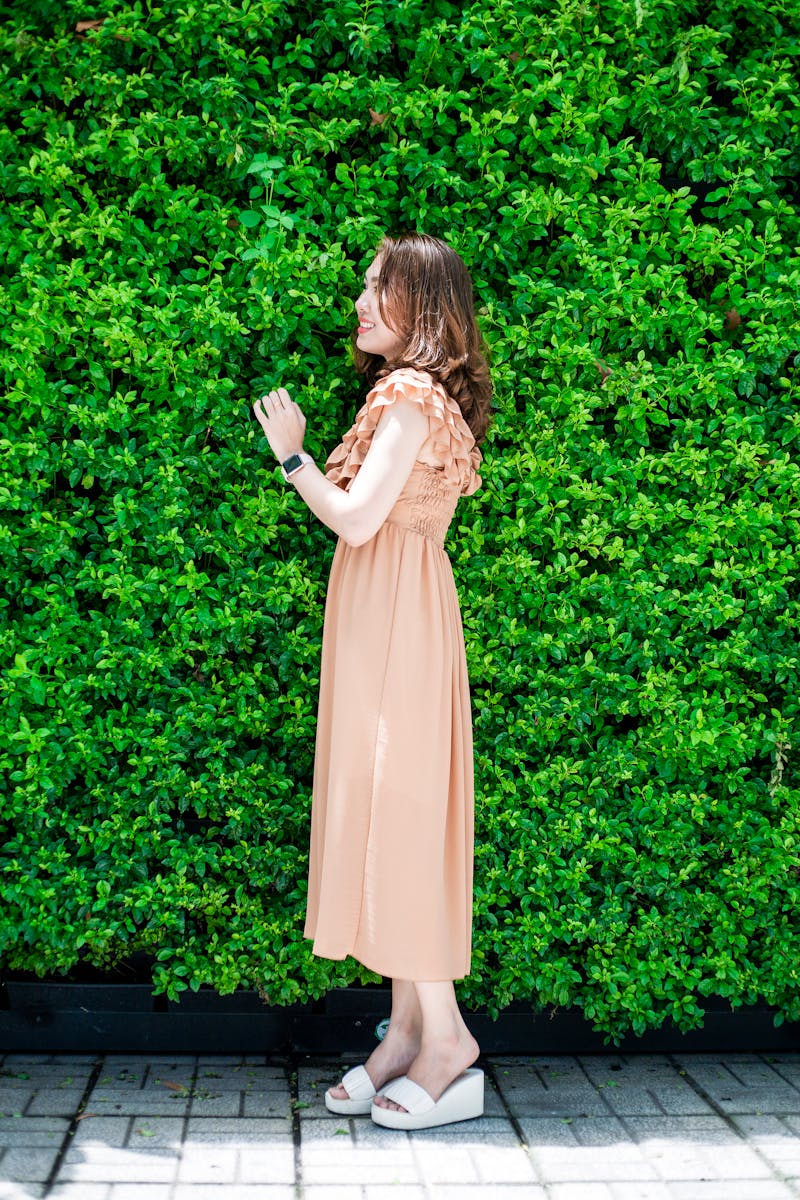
pixel 391 851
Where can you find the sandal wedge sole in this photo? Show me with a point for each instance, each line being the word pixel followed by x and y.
pixel 461 1101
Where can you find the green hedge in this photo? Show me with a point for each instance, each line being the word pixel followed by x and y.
pixel 191 194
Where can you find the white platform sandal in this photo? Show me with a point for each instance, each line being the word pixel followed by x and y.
pixel 461 1101
pixel 360 1090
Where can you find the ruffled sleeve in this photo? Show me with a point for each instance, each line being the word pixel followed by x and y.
pixel 453 441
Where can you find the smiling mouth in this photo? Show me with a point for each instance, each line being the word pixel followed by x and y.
pixel 364 326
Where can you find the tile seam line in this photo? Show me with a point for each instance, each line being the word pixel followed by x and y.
pixel 720 1111
pixel 188 1113
pixel 427 1189
pixel 489 1069
pixel 66 1141
pixel 293 1080
pixel 599 1089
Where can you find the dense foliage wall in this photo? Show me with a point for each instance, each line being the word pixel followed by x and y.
pixel 192 192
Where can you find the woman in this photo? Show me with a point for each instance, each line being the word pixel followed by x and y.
pixel 390 869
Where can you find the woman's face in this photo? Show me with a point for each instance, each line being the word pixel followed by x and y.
pixel 374 335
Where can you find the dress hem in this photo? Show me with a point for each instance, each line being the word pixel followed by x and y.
pixel 389 974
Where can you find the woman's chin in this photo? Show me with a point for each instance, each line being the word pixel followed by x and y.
pixel 362 342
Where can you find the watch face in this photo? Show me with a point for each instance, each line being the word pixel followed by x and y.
pixel 291 464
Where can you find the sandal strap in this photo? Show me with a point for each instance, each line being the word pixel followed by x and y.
pixel 358 1084
pixel 413 1098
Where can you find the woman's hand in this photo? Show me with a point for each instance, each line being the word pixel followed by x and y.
pixel 283 423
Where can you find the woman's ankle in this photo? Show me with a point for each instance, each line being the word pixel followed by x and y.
pixel 405 1030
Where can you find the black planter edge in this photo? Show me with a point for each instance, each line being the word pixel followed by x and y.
pixel 62 1018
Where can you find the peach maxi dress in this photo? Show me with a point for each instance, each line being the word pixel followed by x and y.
pixel 390 869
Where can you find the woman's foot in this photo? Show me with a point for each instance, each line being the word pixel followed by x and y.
pixel 392 1057
pixel 437 1065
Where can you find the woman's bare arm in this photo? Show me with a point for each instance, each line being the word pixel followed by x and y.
pixel 357 514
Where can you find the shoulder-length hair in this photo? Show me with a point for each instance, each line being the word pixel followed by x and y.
pixel 425 296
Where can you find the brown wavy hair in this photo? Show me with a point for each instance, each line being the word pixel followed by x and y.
pixel 425 296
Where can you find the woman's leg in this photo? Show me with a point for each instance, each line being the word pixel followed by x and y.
pixel 394 1055
pixel 447 1047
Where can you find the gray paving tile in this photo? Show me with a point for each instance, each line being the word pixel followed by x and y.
pixel 193 1191
pixel 763 1129
pixel 55 1102
pixel 787 1065
pixel 484 1191
pixel 745 1086
pixel 146 1132
pixel 216 1061
pixel 170 1062
pixel 264 1104
pixel 679 1161
pixel 343 1191
pixel 15 1100
pixel 592 1164
pixel 483 1131
pixel 313 1082
pixel 266 1164
pixel 706 1129
pixel 237 1131
pixel 103 1164
pixel 225 1104
pixel 135 1100
pixel 13 1060
pixel 83 1191
pixel 680 1100
pixel 138 1191
pixel 741 1189
pixel 399 1152
pixel 439 1163
pixel 504 1164
pixel 20 1191
pixel 646 1087
pixel 399 1191
pixel 551 1088
pixel 28 1163
pixel 714 1059
pixel 76 1060
pixel 774 1140
pixel 590 1191
pixel 104 1131
pixel 53 1074
pixel 552 1131
pixel 641 1191
pixel 332 1128
pixel 208 1164
pixel 601 1131
pixel 241 1078
pixel 350 1172
pixel 127 1063
pixel 32 1131
pixel 758 1074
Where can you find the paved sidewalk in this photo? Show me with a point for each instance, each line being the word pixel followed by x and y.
pixel 649 1127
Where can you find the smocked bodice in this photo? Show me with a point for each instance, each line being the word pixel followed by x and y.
pixel 426 504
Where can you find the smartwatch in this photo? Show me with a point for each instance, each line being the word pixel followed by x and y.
pixel 294 463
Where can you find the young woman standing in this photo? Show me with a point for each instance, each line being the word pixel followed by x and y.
pixel 391 857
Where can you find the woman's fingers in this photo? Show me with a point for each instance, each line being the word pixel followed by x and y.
pixel 278 398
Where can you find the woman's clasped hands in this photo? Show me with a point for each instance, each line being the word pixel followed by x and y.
pixel 283 423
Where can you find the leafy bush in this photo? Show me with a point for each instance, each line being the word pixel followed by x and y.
pixel 191 194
